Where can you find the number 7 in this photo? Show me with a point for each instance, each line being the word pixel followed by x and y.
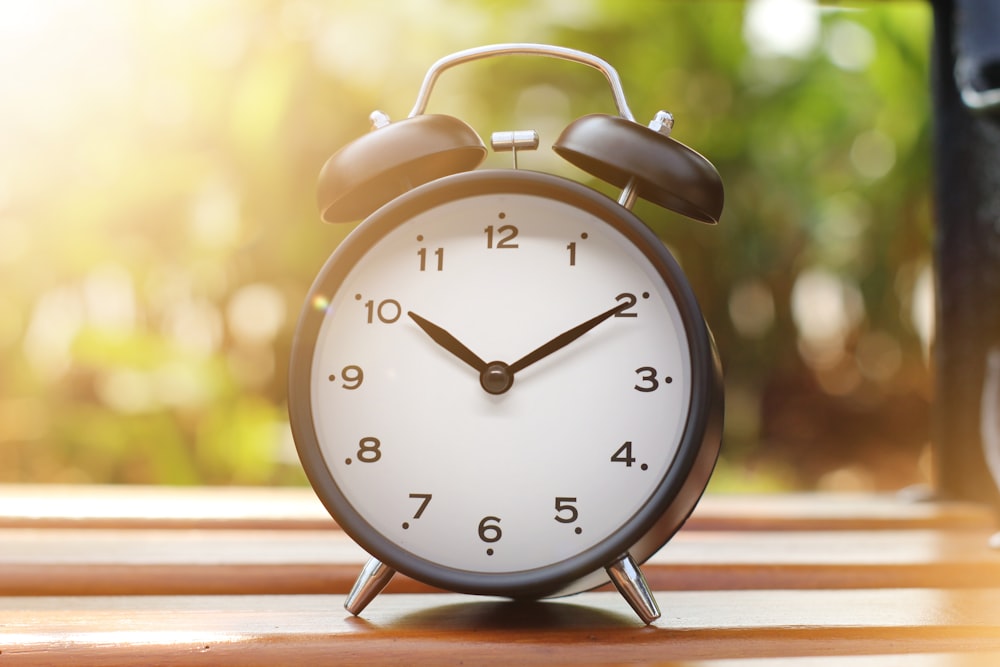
pixel 426 498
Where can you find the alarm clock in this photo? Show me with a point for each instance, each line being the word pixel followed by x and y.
pixel 501 382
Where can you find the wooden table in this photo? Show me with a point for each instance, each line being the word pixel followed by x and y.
pixel 236 576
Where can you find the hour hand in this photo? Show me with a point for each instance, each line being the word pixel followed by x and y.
pixel 448 342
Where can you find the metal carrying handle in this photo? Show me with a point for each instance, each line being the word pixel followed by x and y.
pixel 492 50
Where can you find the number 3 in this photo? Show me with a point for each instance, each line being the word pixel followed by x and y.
pixel 648 376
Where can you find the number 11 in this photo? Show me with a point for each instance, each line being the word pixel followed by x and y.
pixel 439 253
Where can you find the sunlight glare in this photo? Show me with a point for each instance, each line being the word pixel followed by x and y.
pixel 923 307
pixel 849 45
pixel 109 298
pixel 215 215
pixel 873 154
pixel 751 308
pixel 825 308
pixel 195 325
pixel 55 54
pixel 256 313
pixel 57 318
pixel 782 27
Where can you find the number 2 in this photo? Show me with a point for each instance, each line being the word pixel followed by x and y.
pixel 629 299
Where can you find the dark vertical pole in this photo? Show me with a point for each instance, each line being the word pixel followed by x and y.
pixel 967 256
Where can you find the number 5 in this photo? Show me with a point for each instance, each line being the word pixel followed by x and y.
pixel 566 505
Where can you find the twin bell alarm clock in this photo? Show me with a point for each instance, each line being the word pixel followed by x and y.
pixel 501 382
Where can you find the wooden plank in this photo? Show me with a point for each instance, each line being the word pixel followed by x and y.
pixel 215 507
pixel 100 561
pixel 593 628
pixel 836 511
pixel 297 508
pixel 158 561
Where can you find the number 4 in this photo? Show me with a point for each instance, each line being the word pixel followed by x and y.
pixel 624 455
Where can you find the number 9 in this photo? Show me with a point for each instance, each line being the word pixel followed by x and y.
pixel 353 376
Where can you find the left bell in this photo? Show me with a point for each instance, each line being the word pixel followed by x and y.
pixel 392 159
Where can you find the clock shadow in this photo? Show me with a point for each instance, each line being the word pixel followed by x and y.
pixel 502 615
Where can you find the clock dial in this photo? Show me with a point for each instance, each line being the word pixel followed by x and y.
pixel 498 379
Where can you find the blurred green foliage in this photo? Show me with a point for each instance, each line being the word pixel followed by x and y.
pixel 158 229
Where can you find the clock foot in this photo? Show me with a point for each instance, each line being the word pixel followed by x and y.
pixel 373 578
pixel 628 579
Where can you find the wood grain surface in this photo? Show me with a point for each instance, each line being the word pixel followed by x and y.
pixel 593 628
pixel 298 508
pixel 236 576
pixel 103 561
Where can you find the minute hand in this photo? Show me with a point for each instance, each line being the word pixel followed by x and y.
pixel 564 339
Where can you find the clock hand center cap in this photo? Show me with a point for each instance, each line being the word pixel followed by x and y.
pixel 496 378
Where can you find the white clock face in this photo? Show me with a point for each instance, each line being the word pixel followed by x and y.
pixel 511 478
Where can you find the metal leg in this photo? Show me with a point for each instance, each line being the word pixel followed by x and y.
pixel 628 579
pixel 373 578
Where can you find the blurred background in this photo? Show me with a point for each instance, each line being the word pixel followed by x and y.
pixel 158 230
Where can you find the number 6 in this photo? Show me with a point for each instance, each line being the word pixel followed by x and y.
pixel 490 532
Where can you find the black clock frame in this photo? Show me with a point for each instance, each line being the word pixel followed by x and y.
pixel 674 497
